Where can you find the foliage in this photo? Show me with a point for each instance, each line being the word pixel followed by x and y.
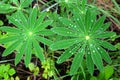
pixel 48 67
pixel 74 29
pixel 8 7
pixel 26 35
pixel 6 72
pixel 33 69
pixel 85 38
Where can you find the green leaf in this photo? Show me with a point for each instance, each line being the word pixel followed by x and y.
pixel 20 53
pixel 16 22
pixel 28 52
pixel 9 29
pixel 104 34
pixel 40 19
pixel 96 57
pixel 11 72
pixel 31 67
pixel 43 25
pixel 44 40
pixel 23 18
pixel 65 32
pixel 1 22
pixel 109 70
pixel 6 8
pixel 97 25
pixel 68 53
pixel 106 25
pixel 25 3
pixel 38 50
pixel 68 23
pixel 78 19
pixel 32 17
pixel 11 48
pixel 93 78
pixel 88 19
pixel 106 45
pixel 77 60
pixel 104 55
pixel 89 63
pixel 63 44
pixel 8 39
pixel 46 32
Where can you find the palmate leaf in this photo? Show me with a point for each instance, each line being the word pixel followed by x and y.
pixel 8 39
pixel 104 35
pixel 97 24
pixel 106 45
pixel 25 3
pixel 62 44
pixel 104 55
pixel 28 52
pixel 40 18
pixel 16 22
pixel 96 57
pixel 28 31
pixel 32 17
pixel 68 23
pixel 46 32
pixel 88 19
pixel 79 20
pixel 89 63
pixel 90 31
pixel 38 50
pixel 77 60
pixel 44 40
pixel 10 29
pixel 43 25
pixel 68 53
pixel 6 8
pixel 23 18
pixel 105 26
pixel 20 53
pixel 11 48
pixel 65 31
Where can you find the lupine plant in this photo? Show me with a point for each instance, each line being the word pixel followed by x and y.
pixel 26 35
pixel 8 7
pixel 86 37
pixel 84 33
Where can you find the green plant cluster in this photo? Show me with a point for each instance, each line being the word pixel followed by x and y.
pixel 81 35
pixel 7 73
pixel 48 67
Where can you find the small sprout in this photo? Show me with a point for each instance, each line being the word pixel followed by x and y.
pixel 87 37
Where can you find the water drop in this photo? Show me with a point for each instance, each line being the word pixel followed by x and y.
pixel 91 45
pixel 16 20
pixel 75 26
pixel 68 32
pixel 70 51
pixel 91 20
pixel 93 51
pixel 88 52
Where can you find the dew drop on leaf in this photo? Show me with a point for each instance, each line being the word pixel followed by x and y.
pixel 78 19
pixel 88 52
pixel 91 20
